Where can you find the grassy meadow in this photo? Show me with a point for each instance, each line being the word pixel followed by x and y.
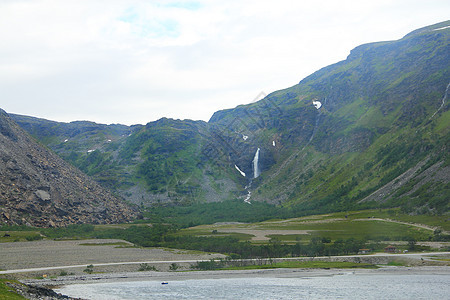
pixel 376 225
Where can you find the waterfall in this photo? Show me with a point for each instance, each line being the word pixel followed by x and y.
pixel 443 101
pixel 247 198
pixel 256 170
pixel 256 173
pixel 249 193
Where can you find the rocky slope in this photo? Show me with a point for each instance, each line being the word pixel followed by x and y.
pixel 38 188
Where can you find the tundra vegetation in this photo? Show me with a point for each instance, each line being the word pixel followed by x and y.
pixel 316 235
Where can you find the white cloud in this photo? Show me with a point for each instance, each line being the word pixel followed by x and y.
pixel 136 61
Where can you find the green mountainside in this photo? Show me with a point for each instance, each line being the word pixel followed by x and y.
pixel 381 134
pixel 161 162
pixel 369 131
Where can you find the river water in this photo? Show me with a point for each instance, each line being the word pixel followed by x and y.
pixel 344 286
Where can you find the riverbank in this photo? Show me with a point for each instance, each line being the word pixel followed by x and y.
pixel 51 259
pixel 51 264
pixel 222 274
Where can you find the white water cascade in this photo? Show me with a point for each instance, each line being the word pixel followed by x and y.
pixel 443 101
pixel 249 195
pixel 256 171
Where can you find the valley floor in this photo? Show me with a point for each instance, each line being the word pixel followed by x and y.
pixel 72 256
pixel 49 263
pixel 48 258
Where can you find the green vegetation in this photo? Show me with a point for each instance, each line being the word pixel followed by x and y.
pixel 307 265
pixel 89 269
pixel 238 249
pixel 8 293
pixel 318 235
pixel 118 244
pixel 379 127
pixel 15 234
pixel 142 235
pixel 208 213
pixel 173 267
pixel 396 263
pixel 230 264
pixel 146 267
pixel 370 224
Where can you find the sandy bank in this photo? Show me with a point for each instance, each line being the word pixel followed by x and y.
pixel 198 275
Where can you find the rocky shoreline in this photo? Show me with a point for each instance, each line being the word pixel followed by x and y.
pixel 36 292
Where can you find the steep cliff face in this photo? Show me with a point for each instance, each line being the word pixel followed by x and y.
pixel 38 188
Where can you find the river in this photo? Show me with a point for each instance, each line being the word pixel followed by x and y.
pixel 346 285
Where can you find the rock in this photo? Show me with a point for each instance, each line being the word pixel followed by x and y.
pixel 43 195
pixel 40 189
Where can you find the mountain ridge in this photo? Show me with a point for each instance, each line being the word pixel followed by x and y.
pixel 337 137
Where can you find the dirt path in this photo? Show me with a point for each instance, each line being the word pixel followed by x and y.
pixel 423 226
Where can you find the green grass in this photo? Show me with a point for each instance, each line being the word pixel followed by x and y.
pixel 19 236
pixel 118 244
pixel 7 293
pixel 441 259
pixel 343 225
pixel 208 231
pixel 307 265
pixel 371 230
pixel 294 238
pixel 396 264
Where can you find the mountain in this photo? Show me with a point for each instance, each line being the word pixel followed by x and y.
pixel 380 136
pixel 369 131
pixel 161 162
pixel 38 188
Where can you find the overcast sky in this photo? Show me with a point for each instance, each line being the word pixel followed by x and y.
pixel 130 62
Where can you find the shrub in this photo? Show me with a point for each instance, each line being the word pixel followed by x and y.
pixel 33 237
pixel 173 267
pixel 146 267
pixel 89 269
pixel 209 265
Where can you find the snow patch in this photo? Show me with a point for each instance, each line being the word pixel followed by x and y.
pixel 442 28
pixel 317 104
pixel 237 168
